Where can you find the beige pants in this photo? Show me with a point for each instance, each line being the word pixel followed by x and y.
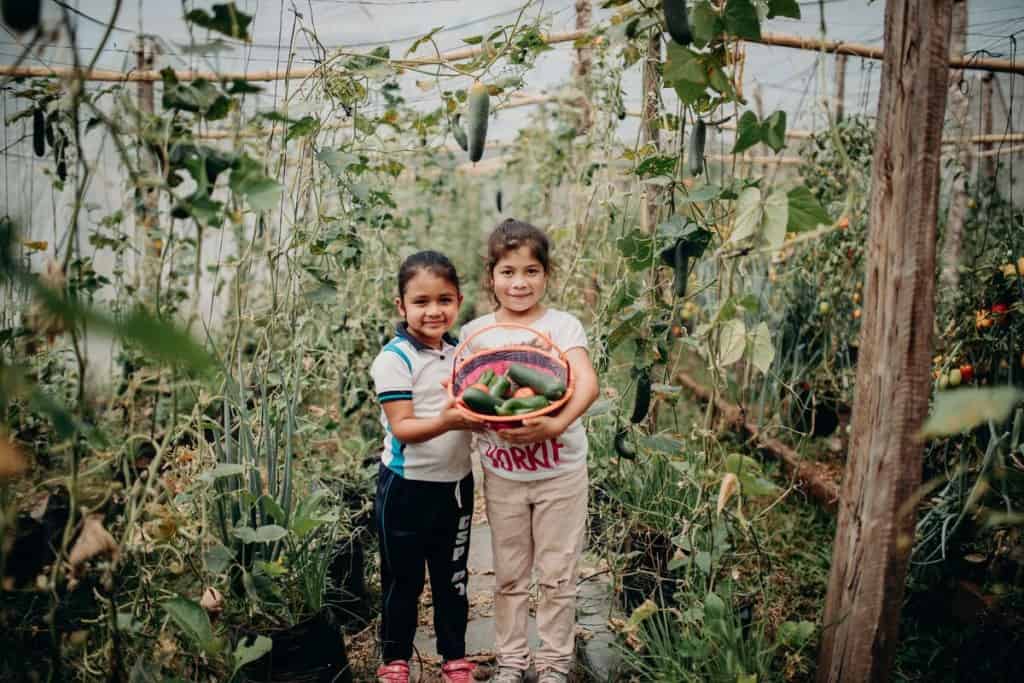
pixel 536 525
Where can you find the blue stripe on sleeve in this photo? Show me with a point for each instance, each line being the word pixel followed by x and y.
pixel 386 396
pixel 394 348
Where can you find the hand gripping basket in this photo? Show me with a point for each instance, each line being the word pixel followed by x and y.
pixel 546 358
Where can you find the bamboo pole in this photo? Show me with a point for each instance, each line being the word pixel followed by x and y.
pixel 774 39
pixel 840 87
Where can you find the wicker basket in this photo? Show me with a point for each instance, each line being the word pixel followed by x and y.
pixel 469 366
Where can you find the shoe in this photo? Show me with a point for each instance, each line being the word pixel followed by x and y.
pixel 552 676
pixel 507 674
pixel 457 671
pixel 395 672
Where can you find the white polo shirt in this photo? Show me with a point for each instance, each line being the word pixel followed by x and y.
pixel 407 369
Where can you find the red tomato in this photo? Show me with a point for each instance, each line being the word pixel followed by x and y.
pixel 524 392
pixel 966 372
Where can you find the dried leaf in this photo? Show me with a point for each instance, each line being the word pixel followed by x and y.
pixel 13 462
pixel 94 540
pixel 212 601
pixel 730 483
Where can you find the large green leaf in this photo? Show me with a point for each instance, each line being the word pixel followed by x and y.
pixel 805 213
pixel 705 23
pixel 226 19
pixel 245 653
pixel 958 410
pixel 191 618
pixel 749 213
pixel 776 217
pixel 264 534
pixel 732 341
pixel 762 351
pixel 247 179
pixel 685 72
pixel 748 132
pixel 741 19
pixel 773 131
pixel 783 8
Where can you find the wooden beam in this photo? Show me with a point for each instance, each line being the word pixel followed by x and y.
pixel 875 525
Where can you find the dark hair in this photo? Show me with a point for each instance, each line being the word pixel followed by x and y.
pixel 510 235
pixel 432 261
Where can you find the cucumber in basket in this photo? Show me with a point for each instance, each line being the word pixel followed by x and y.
pixel 545 385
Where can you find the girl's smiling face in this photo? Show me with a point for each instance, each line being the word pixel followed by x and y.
pixel 430 306
pixel 519 280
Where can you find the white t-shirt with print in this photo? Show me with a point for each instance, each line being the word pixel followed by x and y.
pixel 565 453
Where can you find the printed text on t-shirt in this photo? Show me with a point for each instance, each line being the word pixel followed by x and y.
pixel 531 457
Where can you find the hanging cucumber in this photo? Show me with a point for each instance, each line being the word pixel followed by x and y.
pixel 681 269
pixel 676 21
pixel 544 384
pixel 623 448
pixel 21 15
pixel 459 133
pixel 38 132
pixel 477 110
pixel 643 396
pixel 697 141
pixel 52 123
pixel 497 199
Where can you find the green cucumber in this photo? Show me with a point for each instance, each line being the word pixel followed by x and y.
pixel 486 378
pixel 643 396
pixel 542 383
pixel 623 448
pixel 479 401
pixel 520 406
pixel 39 132
pixel 698 138
pixel 497 199
pixel 681 269
pixel 501 386
pixel 460 134
pixel 477 109
pixel 21 15
pixel 677 22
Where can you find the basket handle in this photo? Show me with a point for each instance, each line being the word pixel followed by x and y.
pixel 465 342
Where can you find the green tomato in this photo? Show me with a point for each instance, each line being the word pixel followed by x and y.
pixel 955 377
pixel 824 307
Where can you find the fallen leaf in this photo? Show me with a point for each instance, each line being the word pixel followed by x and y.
pixel 13 462
pixel 730 482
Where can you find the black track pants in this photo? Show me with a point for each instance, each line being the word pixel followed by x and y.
pixel 423 523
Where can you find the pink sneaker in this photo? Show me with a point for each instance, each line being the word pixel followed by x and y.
pixel 457 671
pixel 395 672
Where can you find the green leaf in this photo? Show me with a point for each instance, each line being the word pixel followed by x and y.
pixel 749 213
pixel 714 607
pixel 705 23
pixel 473 40
pixel 783 8
pixel 264 534
pixel 242 87
pixel 218 559
pixel 748 132
pixel 245 653
pixel 776 218
pixel 773 131
pixel 191 618
pixel 307 125
pixel 741 19
pixel 732 341
pixel 662 444
pixel 337 160
pixel 422 39
pixel 704 193
pixel 200 96
pixel 262 192
pixel 805 213
pixel 658 165
pixel 685 72
pixel 222 470
pixel 226 19
pixel 961 409
pixel 703 561
pixel 795 634
pixel 638 248
pixel 762 351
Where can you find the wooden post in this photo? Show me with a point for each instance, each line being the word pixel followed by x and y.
pixel 581 70
pixel 958 110
pixel 875 528
pixel 649 129
pixel 840 109
pixel 988 165
pixel 146 200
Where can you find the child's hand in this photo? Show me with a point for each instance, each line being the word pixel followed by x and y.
pixel 454 418
pixel 535 430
